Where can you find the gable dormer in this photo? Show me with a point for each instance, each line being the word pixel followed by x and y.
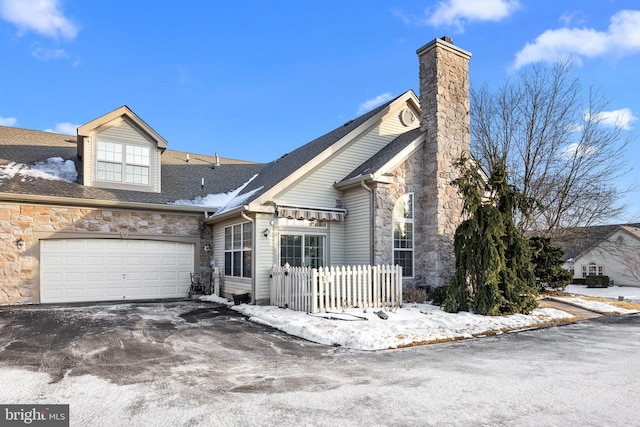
pixel 120 151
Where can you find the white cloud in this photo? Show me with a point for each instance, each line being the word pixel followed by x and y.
pixel 622 37
pixel 402 16
pixel 8 121
pixel 44 54
pixel 44 17
pixel 573 17
pixel 456 13
pixel 374 102
pixel 621 118
pixel 579 150
pixel 64 128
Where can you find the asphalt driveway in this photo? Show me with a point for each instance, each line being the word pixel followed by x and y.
pixel 132 343
pixel 199 364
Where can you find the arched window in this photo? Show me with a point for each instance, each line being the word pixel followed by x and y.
pixel 403 234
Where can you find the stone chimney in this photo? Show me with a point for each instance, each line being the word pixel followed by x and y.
pixel 444 116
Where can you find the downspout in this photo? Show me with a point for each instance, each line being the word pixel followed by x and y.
pixel 371 225
pixel 253 258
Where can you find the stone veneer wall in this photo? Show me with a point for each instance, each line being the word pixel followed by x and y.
pixel 407 178
pixel 444 105
pixel 32 222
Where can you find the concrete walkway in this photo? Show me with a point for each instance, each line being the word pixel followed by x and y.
pixel 580 312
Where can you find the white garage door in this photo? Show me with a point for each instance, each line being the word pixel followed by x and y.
pixel 78 270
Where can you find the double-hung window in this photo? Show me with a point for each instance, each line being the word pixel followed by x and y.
pixel 238 244
pixel 403 234
pixel 123 163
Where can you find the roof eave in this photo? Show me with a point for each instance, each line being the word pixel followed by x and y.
pixel 86 129
pixel 73 201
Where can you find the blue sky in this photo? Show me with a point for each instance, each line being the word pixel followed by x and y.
pixel 254 80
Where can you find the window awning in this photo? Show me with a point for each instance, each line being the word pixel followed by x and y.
pixel 322 214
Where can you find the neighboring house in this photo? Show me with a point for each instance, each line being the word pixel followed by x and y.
pixel 139 218
pixel 606 250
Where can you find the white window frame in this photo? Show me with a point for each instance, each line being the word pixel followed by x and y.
pixel 129 158
pixel 304 248
pixel 238 250
pixel 407 220
pixel 592 269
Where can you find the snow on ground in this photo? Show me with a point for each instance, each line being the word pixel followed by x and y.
pixel 614 293
pixel 630 293
pixel 415 324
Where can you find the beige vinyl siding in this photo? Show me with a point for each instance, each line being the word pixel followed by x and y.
pixel 358 227
pixel 316 189
pixel 264 257
pixel 122 131
pixel 230 285
pixel 88 163
pixel 336 236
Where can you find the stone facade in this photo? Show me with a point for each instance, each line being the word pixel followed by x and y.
pixel 444 105
pixel 407 178
pixel 31 223
pixel 428 172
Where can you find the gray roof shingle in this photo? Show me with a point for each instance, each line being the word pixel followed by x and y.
pixel 576 240
pixel 278 170
pixel 180 179
pixel 383 156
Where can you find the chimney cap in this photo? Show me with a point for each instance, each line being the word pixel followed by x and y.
pixel 443 42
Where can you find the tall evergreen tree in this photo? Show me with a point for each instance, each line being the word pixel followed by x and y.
pixel 547 264
pixel 494 274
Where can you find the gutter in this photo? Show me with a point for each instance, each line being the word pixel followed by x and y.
pixel 378 177
pixel 80 202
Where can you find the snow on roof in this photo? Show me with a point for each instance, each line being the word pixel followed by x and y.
pixel 223 201
pixel 52 169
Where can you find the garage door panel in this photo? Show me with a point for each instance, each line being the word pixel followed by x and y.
pixel 184 260
pixel 114 260
pixel 134 276
pixel 74 292
pixel 75 270
pixel 135 260
pixel 74 277
pixel 152 261
pixel 151 275
pixel 91 260
pixel 51 259
pixel 93 293
pixel 74 261
pixel 73 244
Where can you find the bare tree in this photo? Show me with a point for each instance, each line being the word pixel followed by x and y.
pixel 557 147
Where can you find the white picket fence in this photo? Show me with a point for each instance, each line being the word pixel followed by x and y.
pixel 335 288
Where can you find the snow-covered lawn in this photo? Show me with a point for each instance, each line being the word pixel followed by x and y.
pixel 416 324
pixel 629 293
